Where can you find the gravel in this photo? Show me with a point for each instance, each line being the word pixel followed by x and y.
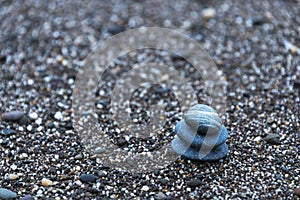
pixel 254 43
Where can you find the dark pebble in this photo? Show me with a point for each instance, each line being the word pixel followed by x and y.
pixel 156 172
pixel 161 90
pixel 194 182
pixel 258 20
pixel 27 197
pixel 88 178
pixel 121 142
pixel 272 138
pixel 7 132
pixel 12 116
pixel 284 169
pixel 115 29
pixel 297 84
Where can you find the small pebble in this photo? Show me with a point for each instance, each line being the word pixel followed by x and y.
pixel 272 138
pixel 27 197
pixel 7 132
pixel 208 13
pixel 58 116
pixel 194 182
pixel 13 176
pixel 12 116
pixel 160 196
pixel 297 84
pixel 145 188
pixel 258 20
pixel 46 182
pixel 7 194
pixel 33 115
pixel 115 29
pixel 88 178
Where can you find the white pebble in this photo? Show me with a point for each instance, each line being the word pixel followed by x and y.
pixel 58 116
pixel 33 115
pixel 145 188
pixel 208 13
pixel 13 167
pixel 30 82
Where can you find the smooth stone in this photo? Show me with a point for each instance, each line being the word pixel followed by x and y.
pixel 272 138
pixel 8 132
pixel 214 154
pixel 160 196
pixel 46 182
pixel 12 116
pixel 27 197
pixel 194 182
pixel 115 29
pixel 188 135
pixel 7 194
pixel 203 119
pixel 88 178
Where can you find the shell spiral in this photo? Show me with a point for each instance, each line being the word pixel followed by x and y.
pixel 201 135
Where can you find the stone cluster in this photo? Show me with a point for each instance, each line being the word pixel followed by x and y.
pixel 201 135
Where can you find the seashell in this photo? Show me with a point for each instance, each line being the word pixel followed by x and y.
pixel 203 119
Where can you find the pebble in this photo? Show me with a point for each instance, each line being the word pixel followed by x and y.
pixel 27 197
pixel 160 196
pixel 8 132
pixel 46 182
pixel 33 115
pixel 115 29
pixel 194 182
pixel 258 20
pixel 297 191
pixel 58 116
pixel 208 13
pixel 145 188
pixel 13 176
pixel 297 84
pixel 7 194
pixel 12 116
pixel 273 138
pixel 88 178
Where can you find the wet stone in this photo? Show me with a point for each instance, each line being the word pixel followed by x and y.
pixel 88 178
pixel 12 116
pixel 272 138
pixel 194 182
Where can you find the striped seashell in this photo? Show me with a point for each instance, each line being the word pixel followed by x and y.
pixel 203 119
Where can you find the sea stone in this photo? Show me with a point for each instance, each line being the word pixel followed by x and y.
pixel 7 194
pixel 187 135
pixel 203 119
pixel 12 116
